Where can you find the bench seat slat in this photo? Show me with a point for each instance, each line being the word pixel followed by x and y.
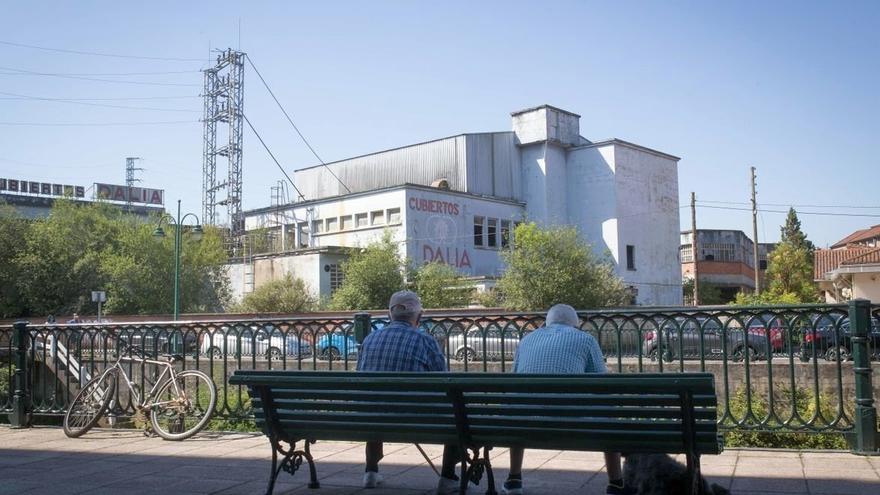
pixel 492 398
pixel 423 382
pixel 490 410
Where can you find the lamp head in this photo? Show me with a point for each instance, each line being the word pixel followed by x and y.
pixel 197 233
pixel 159 233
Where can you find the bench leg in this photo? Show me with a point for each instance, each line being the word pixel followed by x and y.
pixel 473 467
pixel 695 482
pixel 313 473
pixel 490 476
pixel 291 463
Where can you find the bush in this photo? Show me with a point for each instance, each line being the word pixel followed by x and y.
pixel 286 295
pixel 804 402
pixel 441 286
pixel 554 265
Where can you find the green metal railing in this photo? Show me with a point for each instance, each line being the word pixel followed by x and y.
pixel 782 369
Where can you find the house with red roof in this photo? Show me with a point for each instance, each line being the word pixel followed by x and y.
pixel 850 268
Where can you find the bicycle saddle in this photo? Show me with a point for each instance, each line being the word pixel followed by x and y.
pixel 173 358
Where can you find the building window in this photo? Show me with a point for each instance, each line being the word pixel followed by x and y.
pixel 360 220
pixel 377 217
pixel 713 251
pixel 317 226
pixel 332 224
pixel 505 233
pixel 345 223
pixel 393 216
pixel 492 231
pixel 336 277
pixel 687 254
pixel 302 234
pixel 762 264
pixel 630 257
pixel 478 231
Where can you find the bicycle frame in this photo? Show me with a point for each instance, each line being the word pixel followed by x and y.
pixel 142 402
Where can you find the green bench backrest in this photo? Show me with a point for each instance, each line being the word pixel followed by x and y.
pixel 628 413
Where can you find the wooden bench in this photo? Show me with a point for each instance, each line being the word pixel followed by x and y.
pixel 628 413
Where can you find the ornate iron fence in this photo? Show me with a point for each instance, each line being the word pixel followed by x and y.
pixel 780 369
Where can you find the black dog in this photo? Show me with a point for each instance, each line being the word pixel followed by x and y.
pixel 659 474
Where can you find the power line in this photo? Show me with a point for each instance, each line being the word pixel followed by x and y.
pixel 94 124
pixel 106 105
pixel 791 205
pixel 129 98
pixel 32 164
pixel 304 140
pixel 272 155
pixel 111 73
pixel 818 213
pixel 53 74
pixel 99 54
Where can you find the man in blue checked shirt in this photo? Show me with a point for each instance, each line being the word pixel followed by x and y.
pixel 560 348
pixel 399 346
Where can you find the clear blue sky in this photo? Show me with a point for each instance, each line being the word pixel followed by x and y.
pixel 789 87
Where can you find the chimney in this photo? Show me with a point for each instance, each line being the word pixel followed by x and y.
pixel 546 123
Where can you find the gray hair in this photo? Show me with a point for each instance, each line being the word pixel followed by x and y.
pixel 404 305
pixel 562 314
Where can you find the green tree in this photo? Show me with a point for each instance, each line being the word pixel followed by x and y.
pixel 792 233
pixel 371 274
pixel 285 295
pixel 709 293
pixel 61 261
pixel 13 233
pixel 85 247
pixel 441 286
pixel 790 273
pixel 553 265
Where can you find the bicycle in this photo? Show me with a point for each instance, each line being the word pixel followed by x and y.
pixel 173 401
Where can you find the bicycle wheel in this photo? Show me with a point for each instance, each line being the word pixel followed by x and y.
pixel 184 405
pixel 89 405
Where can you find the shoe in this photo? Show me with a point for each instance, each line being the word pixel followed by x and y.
pixel 372 479
pixel 447 486
pixel 512 487
pixel 619 490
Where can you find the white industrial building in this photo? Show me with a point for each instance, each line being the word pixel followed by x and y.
pixel 456 199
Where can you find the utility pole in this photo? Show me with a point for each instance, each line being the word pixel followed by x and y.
pixel 755 235
pixel 694 248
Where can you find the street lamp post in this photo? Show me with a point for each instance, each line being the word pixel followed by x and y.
pixel 196 234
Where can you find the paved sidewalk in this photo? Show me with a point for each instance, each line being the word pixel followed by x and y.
pixel 43 460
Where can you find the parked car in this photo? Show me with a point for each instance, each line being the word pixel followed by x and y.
pixel 337 344
pixel 681 339
pixel 758 326
pixel 478 346
pixel 158 340
pixel 252 340
pixel 827 342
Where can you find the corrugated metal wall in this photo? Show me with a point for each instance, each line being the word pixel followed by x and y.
pixel 477 163
pixel 493 165
pixel 417 164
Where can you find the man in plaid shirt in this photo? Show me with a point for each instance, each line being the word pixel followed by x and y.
pixel 399 346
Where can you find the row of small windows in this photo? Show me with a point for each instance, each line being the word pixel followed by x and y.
pixel 342 223
pixel 492 232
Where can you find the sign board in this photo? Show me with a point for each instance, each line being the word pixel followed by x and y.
pixel 99 296
pixel 130 194
pixel 41 188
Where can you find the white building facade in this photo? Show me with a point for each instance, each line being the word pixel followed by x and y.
pixel 455 200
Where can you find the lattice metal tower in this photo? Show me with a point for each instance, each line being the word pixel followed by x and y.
pixel 130 179
pixel 223 117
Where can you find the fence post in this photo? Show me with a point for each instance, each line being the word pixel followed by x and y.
pixel 362 327
pixel 865 418
pixel 20 417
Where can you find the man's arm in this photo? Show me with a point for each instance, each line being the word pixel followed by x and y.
pixel 435 357
pixel 596 361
